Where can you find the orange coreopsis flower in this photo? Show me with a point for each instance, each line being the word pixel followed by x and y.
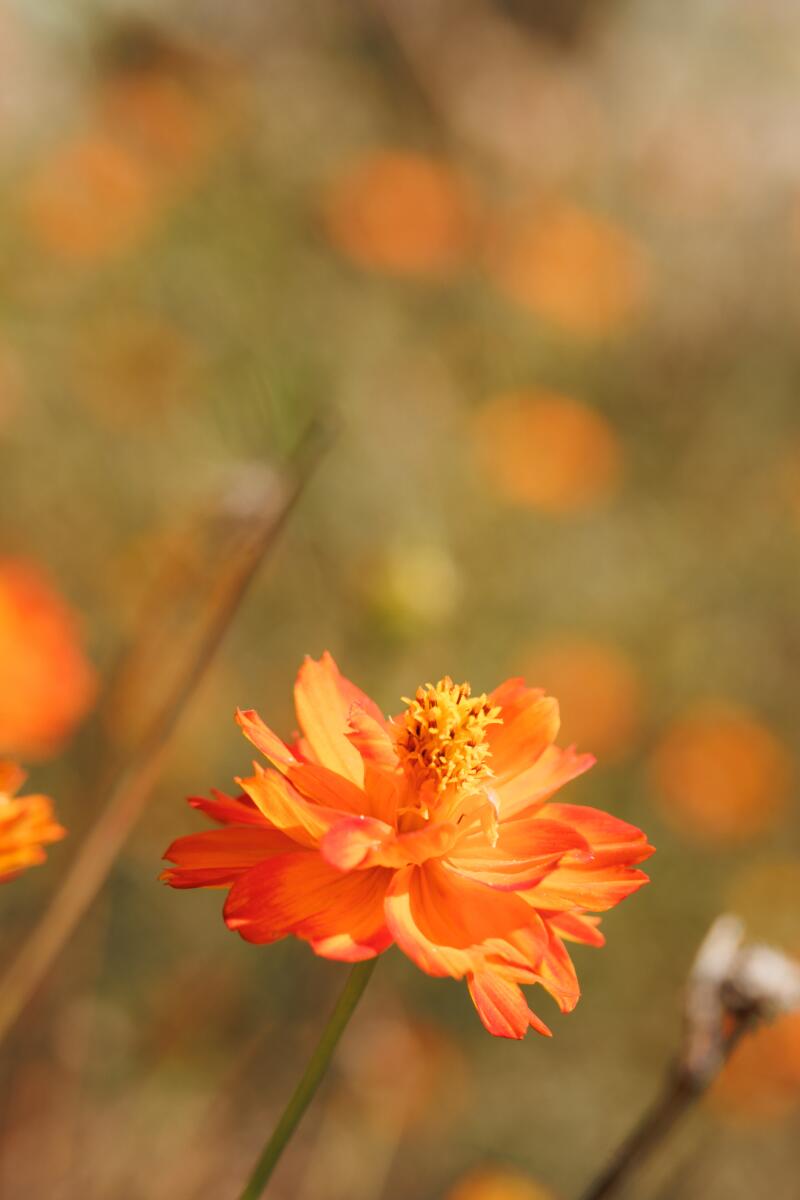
pixel 46 682
pixel 26 824
pixel 435 830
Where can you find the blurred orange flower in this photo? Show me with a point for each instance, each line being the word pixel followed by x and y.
pixel 720 775
pixel 434 830
pixel 547 451
pixel 90 199
pixel 400 212
pixel 571 267
pixel 161 116
pixel 497 1183
pixel 599 691
pixel 761 1080
pixel 26 824
pixel 46 682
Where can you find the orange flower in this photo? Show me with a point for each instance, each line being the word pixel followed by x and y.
pixel 91 200
pixel 599 690
pixel 26 824
pixel 547 451
pixel 721 775
pixel 46 683
pixel 400 212
pixel 573 268
pixel 434 830
pixel 497 1183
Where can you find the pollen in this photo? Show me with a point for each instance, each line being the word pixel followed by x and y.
pixel 442 735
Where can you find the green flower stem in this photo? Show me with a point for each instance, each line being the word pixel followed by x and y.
pixel 357 981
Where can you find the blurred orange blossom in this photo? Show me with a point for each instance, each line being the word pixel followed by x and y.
pixel 26 824
pixel 46 682
pixel 575 269
pixel 497 1183
pixel 90 199
pixel 547 451
pixel 598 688
pixel 720 774
pixel 400 212
pixel 433 830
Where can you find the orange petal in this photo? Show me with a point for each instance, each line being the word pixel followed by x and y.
pixel 613 842
pixel 229 810
pixel 533 787
pixel 286 809
pixel 401 921
pixel 576 927
pixel 12 777
pixel 217 857
pixel 440 918
pixel 366 842
pixel 327 788
pixel 371 738
pixel 340 914
pixel 584 887
pixel 526 850
pixel 502 1006
pixel 264 739
pixel 324 698
pixel 536 954
pixel 530 724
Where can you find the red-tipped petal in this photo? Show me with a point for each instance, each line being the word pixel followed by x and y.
pixel 502 1007
pixel 301 894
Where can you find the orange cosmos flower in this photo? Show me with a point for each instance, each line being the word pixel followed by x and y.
pixel 573 268
pixel 721 775
pixel 546 451
pixel 434 830
pixel 46 682
pixel 26 824
pixel 400 212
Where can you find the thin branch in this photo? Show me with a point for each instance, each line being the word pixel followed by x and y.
pixel 259 515
pixel 732 987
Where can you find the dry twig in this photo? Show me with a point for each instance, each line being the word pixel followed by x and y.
pixel 253 511
pixel 732 986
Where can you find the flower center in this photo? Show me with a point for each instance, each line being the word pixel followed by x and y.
pixel 442 736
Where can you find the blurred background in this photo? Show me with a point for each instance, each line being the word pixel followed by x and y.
pixel 534 265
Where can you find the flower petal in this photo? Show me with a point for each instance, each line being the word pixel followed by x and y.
pixel 530 724
pixel 580 887
pixel 502 1007
pixel 340 914
pixel 371 738
pixel 613 842
pixel 533 787
pixel 286 809
pixel 365 842
pixel 217 857
pixel 401 921
pixel 264 739
pixel 526 850
pixel 576 927
pixel 324 698
pixel 440 919
pixel 229 810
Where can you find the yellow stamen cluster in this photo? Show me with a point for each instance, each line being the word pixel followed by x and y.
pixel 443 735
